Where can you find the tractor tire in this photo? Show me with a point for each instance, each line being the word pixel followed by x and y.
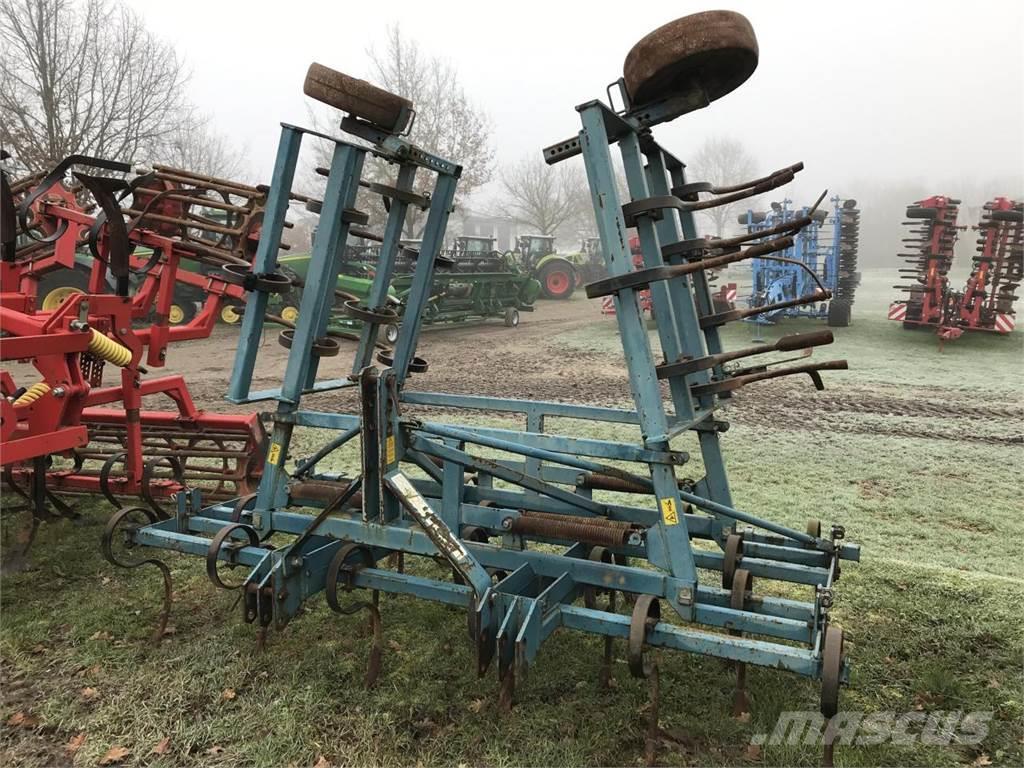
pixel 56 286
pixel 358 97
pixel 556 281
pixel 511 318
pixel 839 313
pixel 703 56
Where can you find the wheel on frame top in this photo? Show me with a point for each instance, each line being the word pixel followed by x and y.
pixel 703 57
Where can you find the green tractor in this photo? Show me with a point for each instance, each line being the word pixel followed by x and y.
pixel 476 282
pixel 557 274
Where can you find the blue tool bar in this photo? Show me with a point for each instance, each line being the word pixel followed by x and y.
pixel 623 578
pixel 664 635
pixel 419 294
pixel 512 446
pixel 342 186
pixel 666 303
pixel 511 405
pixel 385 267
pixel 579 446
pixel 669 542
pixel 265 262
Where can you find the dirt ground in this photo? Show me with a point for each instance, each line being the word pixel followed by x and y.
pixel 550 356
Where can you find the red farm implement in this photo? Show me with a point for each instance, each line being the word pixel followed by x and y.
pixel 724 298
pixel 66 429
pixel 986 303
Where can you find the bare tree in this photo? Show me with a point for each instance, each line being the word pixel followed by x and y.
pixel 195 146
pixel 543 197
pixel 85 78
pixel 723 161
pixel 447 121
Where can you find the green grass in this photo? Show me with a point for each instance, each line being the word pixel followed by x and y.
pixel 932 614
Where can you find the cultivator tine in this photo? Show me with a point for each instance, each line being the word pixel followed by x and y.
pixel 644 277
pixel 346 562
pixel 790 343
pixel 736 382
pixel 604 677
pixel 122 526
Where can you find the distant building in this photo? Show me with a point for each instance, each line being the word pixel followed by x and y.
pixel 504 228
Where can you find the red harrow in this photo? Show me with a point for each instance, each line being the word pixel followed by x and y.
pixel 69 431
pixel 986 304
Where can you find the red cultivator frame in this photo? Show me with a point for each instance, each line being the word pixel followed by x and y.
pixel 138 233
pixel 986 304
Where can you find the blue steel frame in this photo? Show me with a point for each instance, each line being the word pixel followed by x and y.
pixel 516 594
pixel 816 246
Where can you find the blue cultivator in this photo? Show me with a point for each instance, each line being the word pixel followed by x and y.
pixel 822 258
pixel 426 488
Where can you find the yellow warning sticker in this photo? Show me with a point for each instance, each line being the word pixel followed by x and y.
pixel 668 512
pixel 274 454
pixel 389 448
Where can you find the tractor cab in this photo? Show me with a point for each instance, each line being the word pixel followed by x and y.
pixel 474 244
pixel 591 249
pixel 533 248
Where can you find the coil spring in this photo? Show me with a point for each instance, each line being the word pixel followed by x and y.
pixel 33 393
pixel 109 350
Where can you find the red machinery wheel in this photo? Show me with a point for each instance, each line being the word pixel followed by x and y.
pixel 557 281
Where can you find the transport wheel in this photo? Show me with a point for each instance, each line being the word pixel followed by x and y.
pixel 390 333
pixel 230 315
pixel 646 613
pixel 289 310
pixel 703 56
pixel 176 314
pixel 358 98
pixel 556 281
pixel 831 668
pixel 916 212
pixel 55 288
pixel 839 312
pixel 511 318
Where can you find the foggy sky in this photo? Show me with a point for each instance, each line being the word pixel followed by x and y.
pixel 860 91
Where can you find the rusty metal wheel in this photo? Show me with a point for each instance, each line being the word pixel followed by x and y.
pixel 213 552
pixel 646 613
pixel 702 57
pixel 348 559
pixel 733 555
pixel 358 97
pixel 742 586
pixel 831 670
pixel 814 528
